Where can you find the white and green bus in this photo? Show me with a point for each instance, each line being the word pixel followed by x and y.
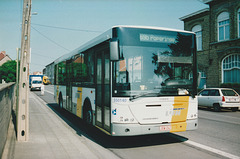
pixel 132 80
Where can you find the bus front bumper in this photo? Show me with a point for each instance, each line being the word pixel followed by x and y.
pixel 138 129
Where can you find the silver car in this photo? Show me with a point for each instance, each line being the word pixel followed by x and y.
pixel 218 98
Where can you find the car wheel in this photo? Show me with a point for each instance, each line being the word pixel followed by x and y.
pixel 216 107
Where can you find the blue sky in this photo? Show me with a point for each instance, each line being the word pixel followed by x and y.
pixel 63 25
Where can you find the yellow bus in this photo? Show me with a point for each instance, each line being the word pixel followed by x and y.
pixel 46 80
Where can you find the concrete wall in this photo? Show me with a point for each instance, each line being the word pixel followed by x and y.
pixel 7 102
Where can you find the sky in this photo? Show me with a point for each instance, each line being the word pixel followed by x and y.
pixel 61 26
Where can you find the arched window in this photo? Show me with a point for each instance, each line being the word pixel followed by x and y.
pixel 197 29
pixel 223 26
pixel 231 69
pixel 238 17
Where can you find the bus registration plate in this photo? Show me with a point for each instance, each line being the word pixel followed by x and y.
pixel 165 128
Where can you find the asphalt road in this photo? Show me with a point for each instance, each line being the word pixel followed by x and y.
pixel 217 136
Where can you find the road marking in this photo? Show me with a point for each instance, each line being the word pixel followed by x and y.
pixel 49 92
pixel 219 152
pixel 204 147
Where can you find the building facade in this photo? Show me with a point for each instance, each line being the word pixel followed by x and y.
pixel 4 58
pixel 217 31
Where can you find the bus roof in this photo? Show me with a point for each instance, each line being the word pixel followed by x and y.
pixel 106 36
pixel 151 27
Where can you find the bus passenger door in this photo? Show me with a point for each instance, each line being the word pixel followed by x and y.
pixel 103 90
pixel 69 86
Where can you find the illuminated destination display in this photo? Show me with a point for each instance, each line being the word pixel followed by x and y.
pixel 156 38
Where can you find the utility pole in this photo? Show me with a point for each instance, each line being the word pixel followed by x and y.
pixel 17 81
pixel 23 104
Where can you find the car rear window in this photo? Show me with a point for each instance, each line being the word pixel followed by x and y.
pixel 228 93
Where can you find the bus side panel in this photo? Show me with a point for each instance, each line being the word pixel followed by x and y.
pixel 56 93
pixel 77 101
pixel 79 95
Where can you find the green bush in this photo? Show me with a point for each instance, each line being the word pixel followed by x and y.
pixel 8 71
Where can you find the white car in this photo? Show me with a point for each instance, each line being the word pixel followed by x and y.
pixel 218 98
pixel 36 85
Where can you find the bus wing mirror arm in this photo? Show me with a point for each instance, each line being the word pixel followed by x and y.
pixel 114 50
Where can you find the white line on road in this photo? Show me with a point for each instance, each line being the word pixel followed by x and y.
pixel 204 147
pixel 49 92
pixel 219 152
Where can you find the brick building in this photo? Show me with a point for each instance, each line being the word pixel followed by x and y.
pixel 217 31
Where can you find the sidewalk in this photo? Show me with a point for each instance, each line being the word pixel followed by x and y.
pixel 50 137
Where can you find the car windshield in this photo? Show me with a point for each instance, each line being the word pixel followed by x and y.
pixel 229 93
pixel 152 71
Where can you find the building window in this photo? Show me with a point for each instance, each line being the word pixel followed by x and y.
pixel 202 83
pixel 238 22
pixel 231 69
pixel 223 26
pixel 197 29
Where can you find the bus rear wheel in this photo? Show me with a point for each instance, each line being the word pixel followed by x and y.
pixel 87 114
pixel 60 101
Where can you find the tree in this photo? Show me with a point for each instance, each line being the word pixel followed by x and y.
pixel 8 71
pixel 182 47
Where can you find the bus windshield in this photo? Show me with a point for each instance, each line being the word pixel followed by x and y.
pixel 152 72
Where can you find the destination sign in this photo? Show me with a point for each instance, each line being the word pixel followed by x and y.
pixel 156 38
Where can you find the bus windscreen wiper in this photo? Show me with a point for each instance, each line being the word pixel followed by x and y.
pixel 142 95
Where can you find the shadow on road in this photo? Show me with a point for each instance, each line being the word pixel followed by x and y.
pixel 223 110
pixel 107 141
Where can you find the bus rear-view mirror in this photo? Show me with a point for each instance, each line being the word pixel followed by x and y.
pixel 114 50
